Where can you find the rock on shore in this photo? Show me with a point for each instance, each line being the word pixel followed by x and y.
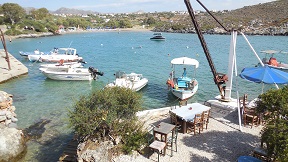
pixel 12 142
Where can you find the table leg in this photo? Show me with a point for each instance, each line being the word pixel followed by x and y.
pixel 165 136
pixel 173 132
pixel 184 127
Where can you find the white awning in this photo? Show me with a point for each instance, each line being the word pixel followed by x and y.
pixel 185 61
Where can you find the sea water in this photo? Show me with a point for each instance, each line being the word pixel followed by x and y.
pixel 37 98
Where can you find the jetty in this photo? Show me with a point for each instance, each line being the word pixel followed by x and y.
pixel 16 67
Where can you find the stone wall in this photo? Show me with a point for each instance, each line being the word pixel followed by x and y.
pixel 7 111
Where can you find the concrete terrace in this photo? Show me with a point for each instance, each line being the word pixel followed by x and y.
pixel 17 68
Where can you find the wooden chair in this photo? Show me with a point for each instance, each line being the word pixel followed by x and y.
pixel 157 146
pixel 250 117
pixel 183 103
pixel 205 118
pixel 174 119
pixel 172 140
pixel 153 143
pixel 196 124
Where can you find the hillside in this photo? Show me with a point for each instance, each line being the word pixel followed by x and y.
pixel 264 15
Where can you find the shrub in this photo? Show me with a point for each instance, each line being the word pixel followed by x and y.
pixel 275 132
pixel 109 113
pixel 13 32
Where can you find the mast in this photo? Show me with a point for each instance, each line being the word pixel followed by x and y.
pixel 219 78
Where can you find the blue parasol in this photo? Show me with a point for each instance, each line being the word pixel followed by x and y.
pixel 264 74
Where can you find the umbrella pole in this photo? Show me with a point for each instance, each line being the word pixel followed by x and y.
pixel 237 92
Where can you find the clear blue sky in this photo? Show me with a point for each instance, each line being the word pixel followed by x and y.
pixel 122 6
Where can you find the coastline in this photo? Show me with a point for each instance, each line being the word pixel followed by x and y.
pixel 46 34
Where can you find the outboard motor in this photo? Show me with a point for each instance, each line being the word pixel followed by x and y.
pixel 94 72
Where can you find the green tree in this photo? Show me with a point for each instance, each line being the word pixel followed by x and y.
pixel 274 105
pixel 150 21
pixel 109 113
pixel 125 23
pixel 13 12
pixel 40 14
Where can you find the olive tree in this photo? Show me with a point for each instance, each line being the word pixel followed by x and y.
pixel 274 105
pixel 13 13
pixel 109 113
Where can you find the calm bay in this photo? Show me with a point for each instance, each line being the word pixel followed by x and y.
pixel 36 97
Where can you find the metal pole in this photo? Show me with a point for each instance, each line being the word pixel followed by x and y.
pixel 252 49
pixel 5 49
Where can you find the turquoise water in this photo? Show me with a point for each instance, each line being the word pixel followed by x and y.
pixel 37 97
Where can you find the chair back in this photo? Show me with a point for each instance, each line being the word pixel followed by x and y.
pixel 150 134
pixel 198 119
pixel 174 119
pixel 183 103
pixel 205 116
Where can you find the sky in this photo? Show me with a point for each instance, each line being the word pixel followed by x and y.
pixel 127 6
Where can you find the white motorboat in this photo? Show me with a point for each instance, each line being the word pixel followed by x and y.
pixel 36 52
pixel 272 61
pixel 72 73
pixel 61 65
pixel 132 81
pixel 66 54
pixel 183 87
pixel 157 36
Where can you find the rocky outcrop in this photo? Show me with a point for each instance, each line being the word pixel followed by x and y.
pixel 7 111
pixel 12 143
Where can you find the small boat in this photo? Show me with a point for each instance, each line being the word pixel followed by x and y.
pixel 72 73
pixel 183 87
pixel 66 54
pixel 36 52
pixel 132 81
pixel 272 62
pixel 62 65
pixel 157 36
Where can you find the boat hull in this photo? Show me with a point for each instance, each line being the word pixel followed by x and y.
pixel 76 74
pixel 184 93
pixel 132 81
pixel 54 58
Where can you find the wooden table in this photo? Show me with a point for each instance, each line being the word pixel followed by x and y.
pixel 164 129
pixel 188 112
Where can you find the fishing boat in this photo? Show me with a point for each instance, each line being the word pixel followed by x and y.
pixel 72 73
pixel 272 62
pixel 183 87
pixel 132 81
pixel 66 54
pixel 157 36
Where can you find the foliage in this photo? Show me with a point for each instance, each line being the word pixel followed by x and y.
pixel 13 13
pixel 13 32
pixel 40 14
pixel 125 23
pixel 275 133
pixel 132 135
pixel 107 113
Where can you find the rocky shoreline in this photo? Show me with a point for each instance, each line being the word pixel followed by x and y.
pixel 275 31
pixel 12 141
pixel 272 31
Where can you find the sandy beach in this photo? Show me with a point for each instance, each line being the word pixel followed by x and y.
pixel 222 141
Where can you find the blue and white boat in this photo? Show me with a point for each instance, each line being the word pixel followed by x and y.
pixel 183 87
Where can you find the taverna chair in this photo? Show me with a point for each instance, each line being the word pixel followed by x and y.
pixel 197 123
pixel 183 103
pixel 173 140
pixel 153 143
pixel 249 114
pixel 205 119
